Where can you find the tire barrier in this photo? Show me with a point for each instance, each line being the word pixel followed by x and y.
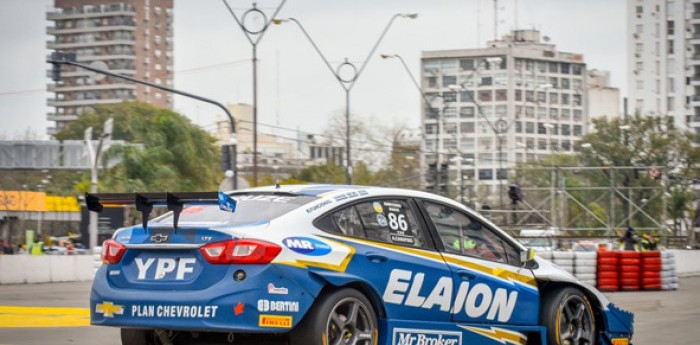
pixel 585 267
pixel 564 260
pixel 669 276
pixel 608 272
pixel 630 270
pixel 651 270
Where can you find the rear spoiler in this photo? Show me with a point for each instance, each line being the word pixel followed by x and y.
pixel 145 202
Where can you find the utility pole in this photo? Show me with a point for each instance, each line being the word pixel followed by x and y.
pixel 95 154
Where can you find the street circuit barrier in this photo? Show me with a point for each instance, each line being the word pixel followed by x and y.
pixel 585 267
pixel 608 276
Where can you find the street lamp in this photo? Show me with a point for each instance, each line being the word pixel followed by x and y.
pixel 94 155
pixel 347 82
pixel 254 24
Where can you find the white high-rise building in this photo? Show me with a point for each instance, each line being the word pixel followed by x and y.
pixel 664 59
pixel 519 86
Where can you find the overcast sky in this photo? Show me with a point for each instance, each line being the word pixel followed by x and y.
pixel 296 90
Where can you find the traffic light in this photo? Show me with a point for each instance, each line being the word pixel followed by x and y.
pixel 514 193
pixel 57 58
pixel 228 157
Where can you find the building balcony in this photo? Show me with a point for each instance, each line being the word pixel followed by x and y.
pixel 86 73
pixel 695 99
pixel 60 117
pixel 76 13
pixel 67 88
pixel 81 102
pixel 52 30
pixel 73 45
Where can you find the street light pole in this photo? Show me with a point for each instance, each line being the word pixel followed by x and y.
pixel 258 33
pixel 347 83
pixel 58 58
pixel 95 154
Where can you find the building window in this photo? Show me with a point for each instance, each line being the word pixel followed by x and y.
pixel 554 114
pixel 565 114
pixel 530 127
pixel 578 130
pixel 541 113
pixel 669 28
pixel 639 29
pixel 529 112
pixel 449 144
pixel 432 82
pixel 449 97
pixel 577 100
pixel 485 174
pixel 565 83
pixel 466 64
pixel 466 127
pixel 565 68
pixel 669 46
pixel 671 86
pixel 670 106
pixel 518 95
pixel 554 98
pixel 541 97
pixel 518 127
pixel 529 96
pixel 565 98
pixel 467 143
pixel 566 130
pixel 430 128
pixel 578 115
pixel 553 67
pixel 466 112
pixel 501 95
pixel 486 81
pixel 638 48
pixel 485 96
pixel 466 96
pixel 448 80
pixel 640 84
pixel 640 10
pixel 577 69
pixel 638 66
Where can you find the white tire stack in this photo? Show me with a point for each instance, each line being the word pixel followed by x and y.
pixel 565 260
pixel 669 277
pixel 586 267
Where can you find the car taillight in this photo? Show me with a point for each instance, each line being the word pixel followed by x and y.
pixel 240 252
pixel 112 251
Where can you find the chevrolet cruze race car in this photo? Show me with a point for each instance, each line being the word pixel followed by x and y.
pixel 324 264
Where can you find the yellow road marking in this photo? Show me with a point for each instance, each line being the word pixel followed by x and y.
pixel 16 317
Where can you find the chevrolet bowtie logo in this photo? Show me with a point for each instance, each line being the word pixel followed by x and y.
pixel 158 238
pixel 108 309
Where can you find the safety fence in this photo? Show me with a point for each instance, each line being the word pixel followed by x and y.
pixel 622 270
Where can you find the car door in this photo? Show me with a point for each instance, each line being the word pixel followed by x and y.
pixel 395 255
pixel 490 285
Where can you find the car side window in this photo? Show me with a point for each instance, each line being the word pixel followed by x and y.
pixel 464 235
pixel 384 220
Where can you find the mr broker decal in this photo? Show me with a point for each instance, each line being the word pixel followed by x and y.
pixel 307 246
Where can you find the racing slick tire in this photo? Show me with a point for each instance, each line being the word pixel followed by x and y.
pixel 568 317
pixel 345 313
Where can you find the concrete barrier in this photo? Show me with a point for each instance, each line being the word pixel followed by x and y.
pixel 687 262
pixel 19 269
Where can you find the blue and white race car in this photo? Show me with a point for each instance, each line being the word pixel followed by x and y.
pixel 326 264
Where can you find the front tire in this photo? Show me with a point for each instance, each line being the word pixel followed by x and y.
pixel 568 317
pixel 343 316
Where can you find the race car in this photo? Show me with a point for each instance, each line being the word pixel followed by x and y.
pixel 335 264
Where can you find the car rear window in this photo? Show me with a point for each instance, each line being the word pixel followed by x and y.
pixel 251 208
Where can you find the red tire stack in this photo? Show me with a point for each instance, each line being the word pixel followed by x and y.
pixel 608 276
pixel 630 270
pixel 651 270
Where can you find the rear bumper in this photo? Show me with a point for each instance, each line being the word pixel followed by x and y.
pixel 269 299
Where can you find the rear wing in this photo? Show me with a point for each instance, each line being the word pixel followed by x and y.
pixel 145 202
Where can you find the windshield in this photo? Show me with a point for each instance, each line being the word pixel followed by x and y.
pixel 251 208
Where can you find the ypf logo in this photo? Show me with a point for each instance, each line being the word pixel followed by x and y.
pixel 307 246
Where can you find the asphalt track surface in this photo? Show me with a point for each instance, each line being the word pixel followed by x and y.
pixel 56 314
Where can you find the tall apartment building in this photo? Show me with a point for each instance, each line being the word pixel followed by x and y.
pixel 132 37
pixel 663 59
pixel 521 87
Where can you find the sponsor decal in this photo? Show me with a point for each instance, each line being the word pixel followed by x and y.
pixel 174 311
pixel 109 309
pixel 238 309
pixel 272 289
pixel 265 306
pixel 275 321
pixel 477 300
pixel 114 272
pixel 260 197
pixel 501 335
pixel 318 206
pixel 164 267
pixel 402 239
pixel 159 238
pixel 381 220
pixel 307 246
pixel 351 195
pixel 408 336
pixel 377 207
pixel 192 210
pixel 620 341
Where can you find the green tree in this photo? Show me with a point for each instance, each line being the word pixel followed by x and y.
pixel 165 151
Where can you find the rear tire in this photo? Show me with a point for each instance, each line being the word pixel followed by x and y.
pixel 568 317
pixel 344 313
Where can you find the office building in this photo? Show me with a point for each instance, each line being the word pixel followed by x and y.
pixel 663 59
pixel 131 37
pixel 518 89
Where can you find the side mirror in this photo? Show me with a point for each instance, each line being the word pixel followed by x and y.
pixel 527 256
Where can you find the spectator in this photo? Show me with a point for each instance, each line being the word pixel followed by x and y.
pixel 629 240
pixel 648 242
